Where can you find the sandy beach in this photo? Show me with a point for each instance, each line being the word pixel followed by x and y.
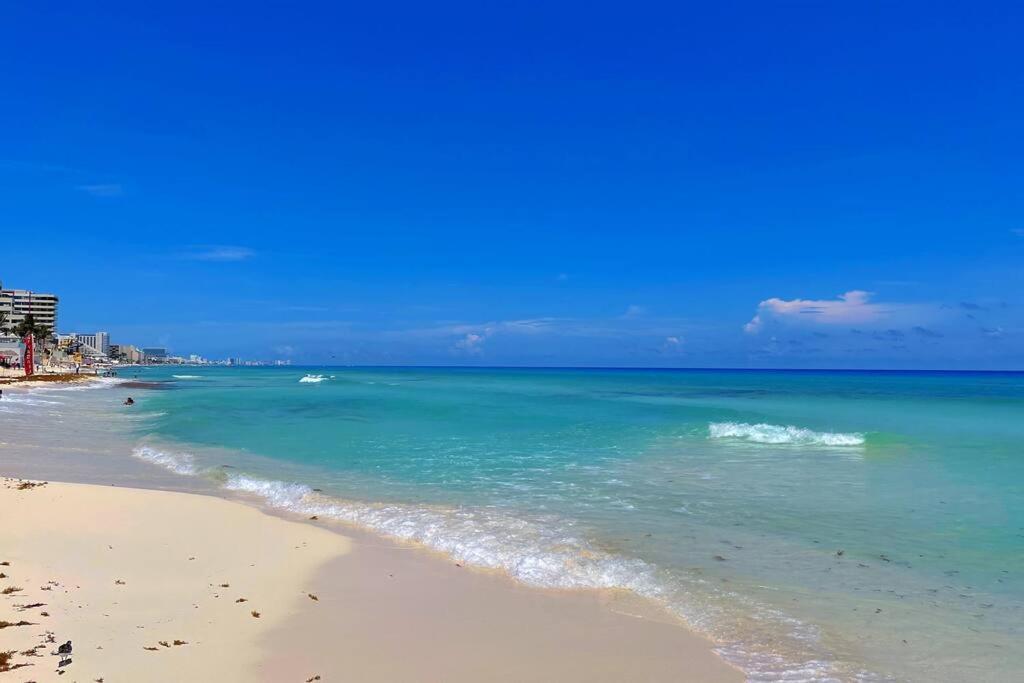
pixel 148 585
pixel 18 380
pixel 167 586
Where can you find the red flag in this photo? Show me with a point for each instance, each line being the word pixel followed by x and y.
pixel 30 365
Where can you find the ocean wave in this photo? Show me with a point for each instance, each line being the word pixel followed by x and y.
pixel 543 552
pixel 187 376
pixel 536 552
pixel 312 379
pixel 27 400
pixel 181 463
pixel 781 435
pixel 130 416
pixel 92 383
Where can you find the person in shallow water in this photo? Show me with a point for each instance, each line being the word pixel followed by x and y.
pixel 129 401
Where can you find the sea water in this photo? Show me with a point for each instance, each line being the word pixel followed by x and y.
pixel 816 525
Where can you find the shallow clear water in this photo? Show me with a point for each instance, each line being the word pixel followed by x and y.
pixel 818 525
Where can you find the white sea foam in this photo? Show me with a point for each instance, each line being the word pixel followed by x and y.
pixel 312 379
pixel 187 376
pixel 28 400
pixel 543 552
pixel 278 494
pixel 780 435
pixel 93 383
pixel 182 463
pixel 534 552
pixel 539 551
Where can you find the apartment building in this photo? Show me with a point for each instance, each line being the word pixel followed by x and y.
pixel 17 303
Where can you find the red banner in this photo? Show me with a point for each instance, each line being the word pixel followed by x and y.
pixel 30 361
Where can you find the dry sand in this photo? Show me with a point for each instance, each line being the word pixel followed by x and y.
pixel 121 570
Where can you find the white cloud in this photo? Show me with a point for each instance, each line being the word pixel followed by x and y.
pixel 672 346
pixel 634 311
pixel 852 307
pixel 471 343
pixel 220 253
pixel 486 329
pixel 754 326
pixel 103 189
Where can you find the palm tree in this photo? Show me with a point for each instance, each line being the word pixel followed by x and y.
pixel 44 338
pixel 5 326
pixel 40 333
pixel 28 326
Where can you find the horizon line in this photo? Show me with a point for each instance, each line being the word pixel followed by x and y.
pixel 603 367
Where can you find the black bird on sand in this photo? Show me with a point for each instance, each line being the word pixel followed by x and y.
pixel 64 650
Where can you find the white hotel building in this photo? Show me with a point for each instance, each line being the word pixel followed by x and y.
pixel 17 303
pixel 99 342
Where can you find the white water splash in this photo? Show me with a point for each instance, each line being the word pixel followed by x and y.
pixel 779 435
pixel 182 463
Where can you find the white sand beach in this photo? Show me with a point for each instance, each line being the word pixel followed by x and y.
pixel 167 586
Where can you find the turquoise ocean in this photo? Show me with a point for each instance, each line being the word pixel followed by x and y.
pixel 817 525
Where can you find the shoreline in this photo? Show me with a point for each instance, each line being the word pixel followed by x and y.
pixel 145 568
pixel 414 615
pixel 45 379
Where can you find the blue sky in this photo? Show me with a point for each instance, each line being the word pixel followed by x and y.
pixel 580 184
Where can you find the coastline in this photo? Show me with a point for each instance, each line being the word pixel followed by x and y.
pixel 385 610
pixel 394 613
pixel 43 379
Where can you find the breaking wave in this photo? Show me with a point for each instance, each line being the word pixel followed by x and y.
pixel 182 463
pixel 537 550
pixel 534 552
pixel 28 400
pixel 45 388
pixel 779 435
pixel 540 552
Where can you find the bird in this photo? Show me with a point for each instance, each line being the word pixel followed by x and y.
pixel 64 650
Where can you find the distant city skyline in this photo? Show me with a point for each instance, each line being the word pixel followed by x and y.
pixel 775 187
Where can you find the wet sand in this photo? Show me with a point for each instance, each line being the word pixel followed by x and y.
pixel 125 573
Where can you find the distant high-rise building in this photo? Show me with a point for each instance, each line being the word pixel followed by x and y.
pixel 155 353
pixel 100 341
pixel 126 353
pixel 17 303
